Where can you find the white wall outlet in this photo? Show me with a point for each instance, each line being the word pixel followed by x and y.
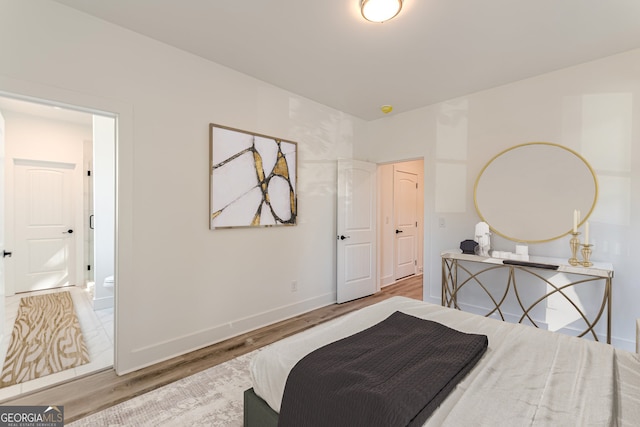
pixel 294 286
pixel 442 223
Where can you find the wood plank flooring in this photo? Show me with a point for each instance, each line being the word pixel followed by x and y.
pixel 93 393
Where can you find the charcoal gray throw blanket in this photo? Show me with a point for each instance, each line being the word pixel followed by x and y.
pixel 396 373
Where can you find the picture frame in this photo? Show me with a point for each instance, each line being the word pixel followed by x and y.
pixel 252 179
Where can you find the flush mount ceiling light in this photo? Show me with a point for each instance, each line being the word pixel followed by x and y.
pixel 380 10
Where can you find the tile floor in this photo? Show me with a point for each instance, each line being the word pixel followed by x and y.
pixel 97 330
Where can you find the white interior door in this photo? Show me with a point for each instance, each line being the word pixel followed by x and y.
pixel 44 238
pixel 356 250
pixel 405 191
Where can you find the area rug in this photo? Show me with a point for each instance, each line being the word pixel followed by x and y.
pixel 213 397
pixel 46 338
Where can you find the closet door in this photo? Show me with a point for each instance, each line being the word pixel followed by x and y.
pixel 43 218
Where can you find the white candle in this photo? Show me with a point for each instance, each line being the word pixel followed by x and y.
pixel 586 233
pixel 575 221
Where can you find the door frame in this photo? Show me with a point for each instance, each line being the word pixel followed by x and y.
pixel 386 220
pixel 9 210
pixel 77 261
pixel 123 114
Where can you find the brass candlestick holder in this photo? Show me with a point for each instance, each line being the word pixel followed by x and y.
pixel 586 254
pixel 574 243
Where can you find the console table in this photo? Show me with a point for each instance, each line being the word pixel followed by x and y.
pixel 455 276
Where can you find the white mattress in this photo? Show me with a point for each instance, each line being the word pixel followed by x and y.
pixel 527 376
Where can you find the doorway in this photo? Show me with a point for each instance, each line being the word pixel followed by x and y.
pixel 400 220
pixel 49 157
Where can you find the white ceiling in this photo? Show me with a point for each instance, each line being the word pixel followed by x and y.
pixel 432 51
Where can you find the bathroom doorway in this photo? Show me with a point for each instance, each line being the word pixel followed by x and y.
pixel 48 136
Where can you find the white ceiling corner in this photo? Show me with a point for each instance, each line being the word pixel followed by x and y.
pixel 432 51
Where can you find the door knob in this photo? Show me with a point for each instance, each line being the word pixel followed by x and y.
pixel 398 231
pixel 6 254
pixel 69 231
pixel 342 237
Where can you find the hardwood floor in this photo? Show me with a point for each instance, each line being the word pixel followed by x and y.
pixel 93 393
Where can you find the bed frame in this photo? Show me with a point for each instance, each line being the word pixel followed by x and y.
pixel 256 411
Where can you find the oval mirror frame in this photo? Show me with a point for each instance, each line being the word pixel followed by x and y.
pixel 527 193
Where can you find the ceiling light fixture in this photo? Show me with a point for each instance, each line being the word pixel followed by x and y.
pixel 380 10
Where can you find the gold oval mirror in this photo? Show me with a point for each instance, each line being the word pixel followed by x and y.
pixel 528 193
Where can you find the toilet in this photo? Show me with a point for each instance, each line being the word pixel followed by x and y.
pixel 109 282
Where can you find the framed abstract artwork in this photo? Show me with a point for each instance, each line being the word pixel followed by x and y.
pixel 252 179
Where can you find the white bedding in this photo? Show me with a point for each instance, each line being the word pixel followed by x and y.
pixel 527 376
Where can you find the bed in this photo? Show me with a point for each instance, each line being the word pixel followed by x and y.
pixel 527 376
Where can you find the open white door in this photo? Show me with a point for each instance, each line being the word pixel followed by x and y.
pixel 356 220
pixel 406 217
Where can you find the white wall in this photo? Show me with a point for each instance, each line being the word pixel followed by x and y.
pixel 180 285
pixel 590 108
pixel 37 138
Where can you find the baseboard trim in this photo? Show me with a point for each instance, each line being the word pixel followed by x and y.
pixel 386 281
pixel 213 335
pixel 102 303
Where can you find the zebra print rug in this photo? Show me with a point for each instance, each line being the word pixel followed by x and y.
pixel 46 338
